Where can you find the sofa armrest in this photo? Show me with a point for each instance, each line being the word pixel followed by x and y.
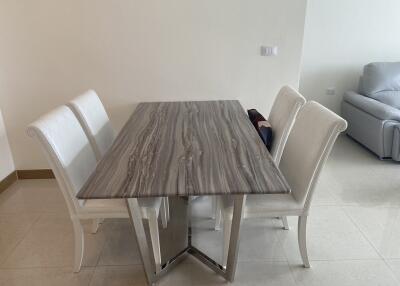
pixel 373 107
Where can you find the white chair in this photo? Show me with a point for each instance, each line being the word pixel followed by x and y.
pixel 95 122
pixel 282 117
pixel 93 117
pixel 72 160
pixel 307 149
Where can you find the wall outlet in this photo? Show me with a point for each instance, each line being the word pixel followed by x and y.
pixel 269 51
pixel 331 91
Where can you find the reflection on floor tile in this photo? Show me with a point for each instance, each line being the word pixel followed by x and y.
pixel 353 234
pixel 327 227
pixel 394 265
pixel 120 247
pixel 33 196
pixel 381 226
pixel 45 277
pixel 345 273
pixel 132 275
pixel 13 229
pixel 50 243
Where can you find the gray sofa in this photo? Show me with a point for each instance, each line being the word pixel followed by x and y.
pixel 373 113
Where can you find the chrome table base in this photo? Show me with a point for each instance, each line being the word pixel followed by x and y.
pixel 182 240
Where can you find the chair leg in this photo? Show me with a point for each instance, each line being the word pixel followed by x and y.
pixel 214 207
pixel 155 239
pixel 167 208
pixel 227 224
pixel 302 237
pixel 218 213
pixel 95 225
pixel 79 244
pixel 163 213
pixel 285 223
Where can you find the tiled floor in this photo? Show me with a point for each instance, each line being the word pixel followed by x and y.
pixel 353 236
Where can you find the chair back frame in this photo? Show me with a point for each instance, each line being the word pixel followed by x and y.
pixel 67 189
pixel 336 125
pixel 291 100
pixel 91 114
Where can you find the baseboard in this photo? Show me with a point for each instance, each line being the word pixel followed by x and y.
pixel 35 174
pixel 8 181
pixel 25 175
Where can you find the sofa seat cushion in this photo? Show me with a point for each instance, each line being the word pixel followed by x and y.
pixel 389 97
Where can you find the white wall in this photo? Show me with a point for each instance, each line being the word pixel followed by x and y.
pixel 141 50
pixel 340 37
pixel 6 160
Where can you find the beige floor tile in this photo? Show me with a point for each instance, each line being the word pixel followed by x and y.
pixel 50 242
pixel 381 226
pixel 358 178
pixel 131 275
pixel 202 275
pixel 45 277
pixel 13 228
pixel 33 196
pixel 264 274
pixel 345 273
pixel 394 265
pixel 260 240
pixel 180 275
pixel 247 273
pixel 331 235
pixel 120 247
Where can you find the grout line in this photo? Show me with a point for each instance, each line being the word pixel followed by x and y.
pixel 383 259
pixel 47 267
pixel 360 230
pixel 391 269
pixel 91 277
pixel 19 242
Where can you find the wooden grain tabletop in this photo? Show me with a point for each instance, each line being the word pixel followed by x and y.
pixel 185 149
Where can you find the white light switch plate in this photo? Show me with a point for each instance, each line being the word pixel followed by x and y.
pixel 269 51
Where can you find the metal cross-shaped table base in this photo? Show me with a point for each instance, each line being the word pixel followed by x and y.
pixel 184 215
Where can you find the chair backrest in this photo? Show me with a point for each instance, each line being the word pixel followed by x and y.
pixel 282 116
pixel 308 146
pixel 95 122
pixel 68 151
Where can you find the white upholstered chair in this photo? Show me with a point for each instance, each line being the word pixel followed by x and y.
pixel 95 122
pixel 282 117
pixel 93 117
pixel 72 160
pixel 307 149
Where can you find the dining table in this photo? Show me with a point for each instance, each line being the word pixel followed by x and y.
pixel 179 150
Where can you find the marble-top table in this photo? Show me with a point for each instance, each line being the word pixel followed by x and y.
pixel 183 149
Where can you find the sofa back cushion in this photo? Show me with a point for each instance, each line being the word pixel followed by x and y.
pixel 381 80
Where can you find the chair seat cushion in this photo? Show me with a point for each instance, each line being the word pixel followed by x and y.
pixel 118 206
pixel 266 205
pixel 274 203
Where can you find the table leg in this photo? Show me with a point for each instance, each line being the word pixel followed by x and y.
pixel 145 252
pixel 174 240
pixel 229 271
pixel 234 241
